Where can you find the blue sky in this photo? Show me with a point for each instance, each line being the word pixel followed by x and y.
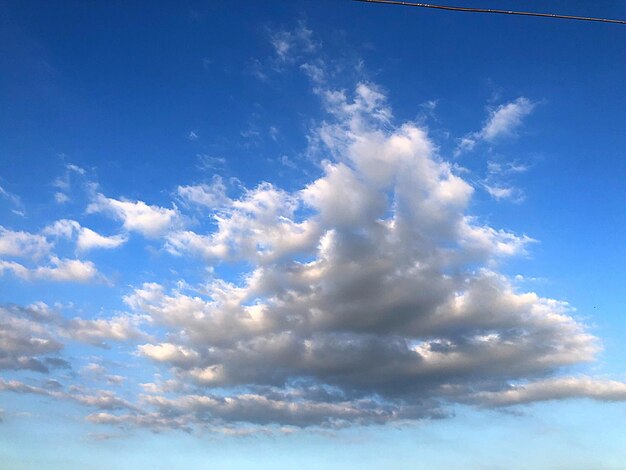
pixel 324 234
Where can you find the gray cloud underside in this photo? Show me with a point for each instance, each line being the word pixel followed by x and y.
pixel 33 337
pixel 98 399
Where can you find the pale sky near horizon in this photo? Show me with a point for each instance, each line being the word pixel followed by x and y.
pixel 324 234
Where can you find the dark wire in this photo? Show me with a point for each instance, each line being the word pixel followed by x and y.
pixel 489 10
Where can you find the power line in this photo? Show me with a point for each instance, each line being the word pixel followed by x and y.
pixel 489 10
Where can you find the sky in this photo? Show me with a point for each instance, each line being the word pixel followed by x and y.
pixel 325 234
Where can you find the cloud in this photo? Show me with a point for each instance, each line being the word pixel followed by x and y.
pixel 315 71
pixel 86 239
pixel 372 297
pixel 22 244
pixel 59 270
pixel 26 342
pixel 289 47
pixel 75 168
pixel 66 270
pixel 258 225
pixel 211 196
pixel 137 216
pixel 18 244
pixel 33 338
pixel 95 331
pixel 96 372
pixel 61 198
pixel 98 399
pixel 64 228
pixel 497 180
pixel 10 196
pixel 554 389
pixel 93 369
pixel 369 295
pixel 168 352
pixel 501 192
pixel 209 163
pixel 502 122
pixel 63 183
pixel 273 133
pixel 290 44
pixel 14 200
pixel 288 162
pixel 506 118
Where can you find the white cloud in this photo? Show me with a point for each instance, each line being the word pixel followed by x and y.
pixel 75 169
pixel 64 228
pixel 138 216
pixel 259 225
pixel 22 244
pixel 289 47
pixel 14 200
pixel 314 71
pixel 497 180
pixel 61 198
pixel 212 196
pixel 288 162
pixel 59 270
pixel 290 44
pixel 168 352
pixel 15 244
pixel 95 331
pixel 66 270
pixel 64 182
pixel 209 162
pixel 505 168
pixel 274 133
pixel 501 192
pixel 358 201
pixel 86 239
pixel 503 121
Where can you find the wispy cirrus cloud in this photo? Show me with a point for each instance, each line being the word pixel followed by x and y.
pixel 211 196
pixel 498 180
pixel 289 45
pixel 63 184
pixel 503 121
pixel 14 200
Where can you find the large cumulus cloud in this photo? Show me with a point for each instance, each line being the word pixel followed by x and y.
pixel 369 295
pixel 372 296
